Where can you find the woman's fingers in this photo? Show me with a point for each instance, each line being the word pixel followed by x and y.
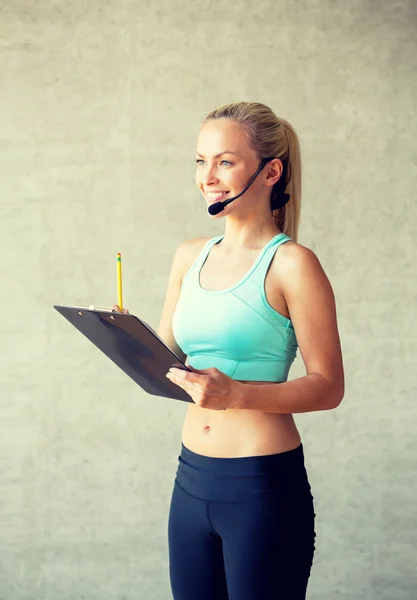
pixel 116 308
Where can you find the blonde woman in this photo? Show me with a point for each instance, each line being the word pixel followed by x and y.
pixel 237 308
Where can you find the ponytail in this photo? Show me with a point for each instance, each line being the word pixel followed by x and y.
pixel 287 218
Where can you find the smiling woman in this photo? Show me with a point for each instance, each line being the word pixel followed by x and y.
pixel 265 146
pixel 237 309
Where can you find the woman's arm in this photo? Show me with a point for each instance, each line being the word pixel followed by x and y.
pixel 312 309
pixel 184 256
pixel 171 298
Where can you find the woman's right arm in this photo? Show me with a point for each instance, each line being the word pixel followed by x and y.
pixel 178 269
pixel 184 256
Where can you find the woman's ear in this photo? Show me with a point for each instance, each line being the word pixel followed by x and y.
pixel 274 172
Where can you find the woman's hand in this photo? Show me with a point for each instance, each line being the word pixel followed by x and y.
pixel 116 308
pixel 209 388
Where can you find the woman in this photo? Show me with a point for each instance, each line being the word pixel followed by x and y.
pixel 241 522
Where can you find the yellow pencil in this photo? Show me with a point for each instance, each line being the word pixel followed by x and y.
pixel 119 281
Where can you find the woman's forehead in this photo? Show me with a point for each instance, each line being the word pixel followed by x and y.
pixel 220 135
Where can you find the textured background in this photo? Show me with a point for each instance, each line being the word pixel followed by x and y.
pixel 101 103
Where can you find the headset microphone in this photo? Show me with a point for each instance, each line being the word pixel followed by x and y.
pixel 217 207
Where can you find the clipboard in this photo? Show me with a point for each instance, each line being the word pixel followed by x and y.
pixel 132 345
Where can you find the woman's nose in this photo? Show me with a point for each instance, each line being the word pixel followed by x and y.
pixel 209 175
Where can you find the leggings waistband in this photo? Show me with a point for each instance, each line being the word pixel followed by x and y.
pixel 232 479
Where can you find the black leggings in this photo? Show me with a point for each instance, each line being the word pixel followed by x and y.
pixel 241 528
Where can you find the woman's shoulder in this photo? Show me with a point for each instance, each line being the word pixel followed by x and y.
pixel 295 261
pixel 293 252
pixel 188 251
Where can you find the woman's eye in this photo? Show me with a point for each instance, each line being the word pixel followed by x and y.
pixel 199 161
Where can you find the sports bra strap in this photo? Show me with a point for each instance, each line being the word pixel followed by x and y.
pixel 259 273
pixel 202 256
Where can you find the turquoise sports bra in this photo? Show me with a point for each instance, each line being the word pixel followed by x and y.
pixel 235 330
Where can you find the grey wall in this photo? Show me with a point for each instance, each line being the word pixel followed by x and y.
pixel 100 108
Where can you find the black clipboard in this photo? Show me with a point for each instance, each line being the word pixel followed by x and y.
pixel 132 345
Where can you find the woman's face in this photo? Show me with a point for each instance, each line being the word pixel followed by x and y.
pixel 225 162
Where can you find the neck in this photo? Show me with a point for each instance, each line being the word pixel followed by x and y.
pixel 248 234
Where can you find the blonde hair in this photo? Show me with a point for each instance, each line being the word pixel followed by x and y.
pixel 269 136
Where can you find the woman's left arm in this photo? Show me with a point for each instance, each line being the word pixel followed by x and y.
pixel 312 309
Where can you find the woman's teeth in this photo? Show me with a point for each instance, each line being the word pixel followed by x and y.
pixel 215 195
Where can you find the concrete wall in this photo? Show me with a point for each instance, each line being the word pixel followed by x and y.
pixel 101 103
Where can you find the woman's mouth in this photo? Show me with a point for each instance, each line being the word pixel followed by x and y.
pixel 215 196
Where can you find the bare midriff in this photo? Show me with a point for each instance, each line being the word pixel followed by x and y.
pixel 234 433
